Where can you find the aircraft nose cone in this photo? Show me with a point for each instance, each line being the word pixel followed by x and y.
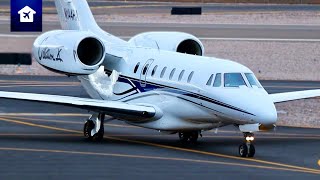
pixel 267 114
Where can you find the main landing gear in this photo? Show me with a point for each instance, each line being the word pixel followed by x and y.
pixel 189 136
pixel 93 129
pixel 247 149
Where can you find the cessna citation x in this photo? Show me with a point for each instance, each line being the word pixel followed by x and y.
pixel 156 80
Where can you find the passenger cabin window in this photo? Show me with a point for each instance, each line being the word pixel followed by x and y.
pixel 233 80
pixel 172 73
pixel 209 82
pixel 217 80
pixel 154 70
pixel 181 75
pixel 162 72
pixel 190 76
pixel 145 69
pixel 253 81
pixel 136 68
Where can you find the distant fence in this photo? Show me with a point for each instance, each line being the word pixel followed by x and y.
pixel 241 1
pixel 15 59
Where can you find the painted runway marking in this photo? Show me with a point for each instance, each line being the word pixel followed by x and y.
pixel 40 126
pixel 38 83
pixel 33 134
pixel 297 168
pixel 66 122
pixel 141 135
pixel 261 134
pixel 45 114
pixel 217 155
pixel 150 157
pixel 37 86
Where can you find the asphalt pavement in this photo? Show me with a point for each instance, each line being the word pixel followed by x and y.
pixel 41 141
pixel 202 31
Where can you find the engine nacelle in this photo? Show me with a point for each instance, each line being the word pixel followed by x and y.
pixel 69 52
pixel 170 41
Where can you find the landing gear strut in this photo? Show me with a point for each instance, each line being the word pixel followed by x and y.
pixel 189 136
pixel 93 128
pixel 247 149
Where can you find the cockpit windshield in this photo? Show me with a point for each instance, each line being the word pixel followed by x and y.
pixel 233 80
pixel 252 80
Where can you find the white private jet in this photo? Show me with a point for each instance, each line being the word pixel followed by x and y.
pixel 156 80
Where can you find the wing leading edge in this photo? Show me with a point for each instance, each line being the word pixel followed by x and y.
pixel 116 109
pixel 290 96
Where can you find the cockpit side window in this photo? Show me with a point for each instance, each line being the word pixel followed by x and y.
pixel 217 80
pixel 253 81
pixel 233 80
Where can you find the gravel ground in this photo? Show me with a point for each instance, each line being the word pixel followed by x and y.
pixel 271 60
pixel 268 60
pixel 300 113
pixel 266 18
pixel 269 18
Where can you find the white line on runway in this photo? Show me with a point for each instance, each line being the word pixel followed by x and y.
pixel 19 35
pixel 201 38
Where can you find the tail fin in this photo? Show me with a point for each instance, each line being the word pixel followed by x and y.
pixel 75 15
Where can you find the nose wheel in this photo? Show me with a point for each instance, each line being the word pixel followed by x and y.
pixel 247 149
pixel 93 128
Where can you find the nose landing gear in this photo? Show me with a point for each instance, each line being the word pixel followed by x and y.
pixel 93 128
pixel 247 149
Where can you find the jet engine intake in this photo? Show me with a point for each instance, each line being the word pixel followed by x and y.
pixel 69 52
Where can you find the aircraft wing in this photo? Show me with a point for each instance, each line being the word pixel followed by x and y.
pixel 290 96
pixel 115 109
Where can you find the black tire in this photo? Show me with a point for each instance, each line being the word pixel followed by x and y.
pixel 194 135
pixel 184 137
pixel 252 150
pixel 99 136
pixel 88 126
pixel 243 150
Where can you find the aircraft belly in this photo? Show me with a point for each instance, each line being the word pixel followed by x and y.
pixel 178 114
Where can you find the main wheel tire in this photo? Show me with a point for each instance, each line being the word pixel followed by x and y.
pixel 194 136
pixel 88 126
pixel 243 150
pixel 252 150
pixel 184 137
pixel 99 136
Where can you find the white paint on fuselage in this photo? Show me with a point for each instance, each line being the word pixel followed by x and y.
pixel 183 112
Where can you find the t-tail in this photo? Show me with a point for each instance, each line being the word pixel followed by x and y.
pixel 76 15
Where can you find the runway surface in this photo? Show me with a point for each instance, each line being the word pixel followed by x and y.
pixel 45 141
pixel 308 32
pixel 165 7
pixel 127 30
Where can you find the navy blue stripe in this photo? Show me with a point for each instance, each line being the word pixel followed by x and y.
pixel 152 86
